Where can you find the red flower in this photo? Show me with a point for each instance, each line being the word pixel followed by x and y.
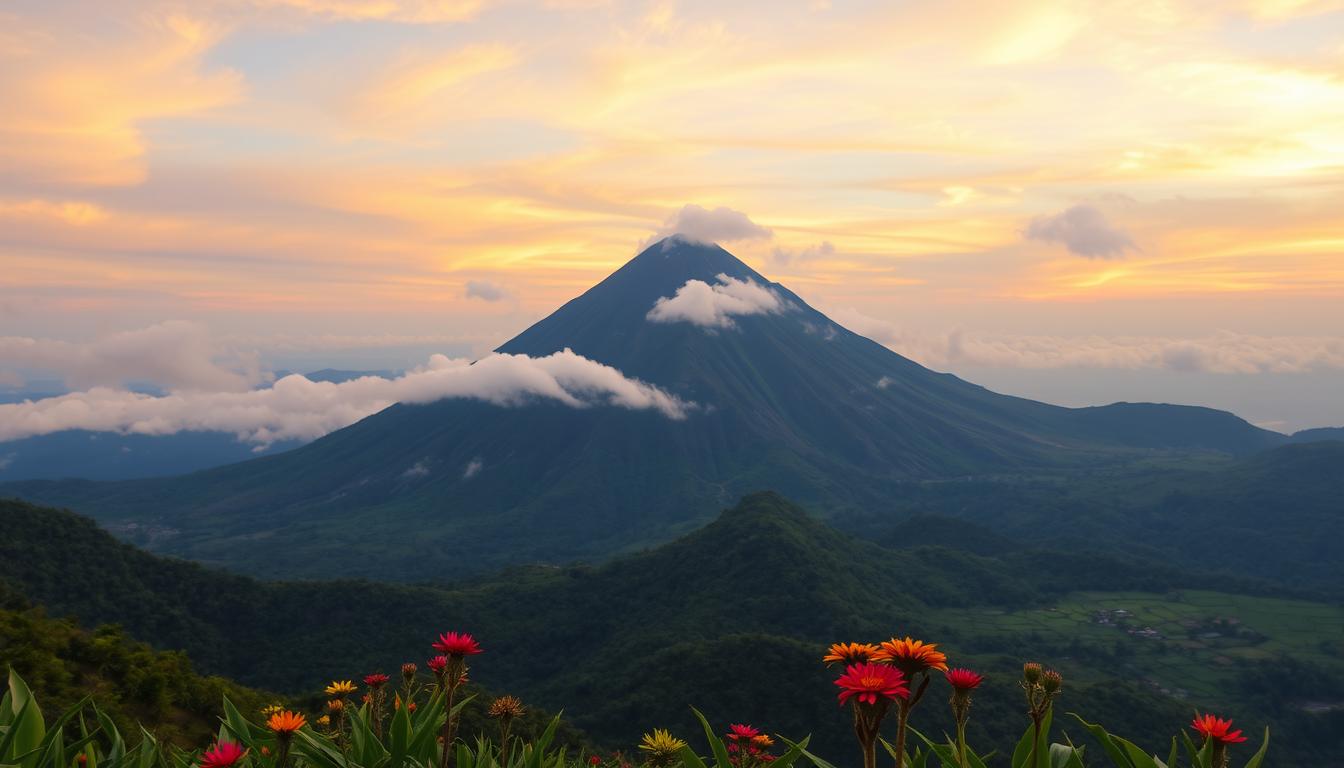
pixel 594 760
pixel 437 664
pixel 1216 728
pixel 81 758
pixel 964 679
pixel 457 644
pixel 869 682
pixel 375 680
pixel 740 732
pixel 223 755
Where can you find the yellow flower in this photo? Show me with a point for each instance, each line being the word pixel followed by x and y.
pixel 663 748
pixel 270 709
pixel 340 688
pixel 324 720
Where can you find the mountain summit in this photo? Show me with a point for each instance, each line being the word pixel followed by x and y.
pixel 784 399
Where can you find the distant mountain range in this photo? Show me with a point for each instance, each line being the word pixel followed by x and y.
pixel 786 400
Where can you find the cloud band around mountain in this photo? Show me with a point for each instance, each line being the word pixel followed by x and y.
pixel 715 306
pixel 297 408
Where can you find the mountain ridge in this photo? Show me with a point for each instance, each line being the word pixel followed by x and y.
pixel 790 401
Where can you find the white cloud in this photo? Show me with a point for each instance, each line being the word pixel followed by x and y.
pixel 485 290
pixel 473 468
pixel 703 225
pixel 1084 230
pixel 1228 353
pixel 714 306
pixel 296 408
pixel 174 355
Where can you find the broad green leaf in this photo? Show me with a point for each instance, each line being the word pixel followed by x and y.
pixel 715 743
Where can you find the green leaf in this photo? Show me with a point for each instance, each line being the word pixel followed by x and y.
pixel 1259 756
pixel 794 752
pixel 817 761
pixel 691 760
pixel 28 729
pixel 715 743
pixel 1022 754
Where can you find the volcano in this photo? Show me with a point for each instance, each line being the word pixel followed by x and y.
pixel 782 398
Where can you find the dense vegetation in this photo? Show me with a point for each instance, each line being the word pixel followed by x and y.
pixel 633 642
pixel 131 682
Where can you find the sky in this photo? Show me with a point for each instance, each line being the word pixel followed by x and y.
pixel 1079 202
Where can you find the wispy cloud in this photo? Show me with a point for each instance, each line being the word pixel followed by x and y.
pixel 296 408
pixel 173 355
pixel 1225 353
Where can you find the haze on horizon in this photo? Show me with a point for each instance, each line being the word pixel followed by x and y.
pixel 1125 201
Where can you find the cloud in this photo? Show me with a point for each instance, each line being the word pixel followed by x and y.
pixel 472 469
pixel 1226 353
pixel 418 469
pixel 296 408
pixel 173 355
pixel 714 306
pixel 485 290
pixel 786 256
pixel 703 225
pixel 1083 230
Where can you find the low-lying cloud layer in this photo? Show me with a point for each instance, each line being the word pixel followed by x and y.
pixel 296 408
pixel 1084 230
pixel 1228 353
pixel 715 306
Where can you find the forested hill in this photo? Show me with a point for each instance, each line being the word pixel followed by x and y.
pixel 730 618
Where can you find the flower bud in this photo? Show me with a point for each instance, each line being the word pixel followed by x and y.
pixel 1031 672
pixel 408 671
pixel 1051 681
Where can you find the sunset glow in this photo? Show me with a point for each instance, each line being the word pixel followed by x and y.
pixel 462 167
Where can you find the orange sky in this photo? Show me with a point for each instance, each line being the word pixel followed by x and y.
pixel 1160 171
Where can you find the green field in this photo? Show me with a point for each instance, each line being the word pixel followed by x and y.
pixel 1193 645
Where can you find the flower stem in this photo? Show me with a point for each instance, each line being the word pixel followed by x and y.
pixel 902 717
pixel 447 733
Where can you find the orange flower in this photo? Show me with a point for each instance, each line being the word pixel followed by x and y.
pixel 912 656
pixel 286 723
pixel 851 653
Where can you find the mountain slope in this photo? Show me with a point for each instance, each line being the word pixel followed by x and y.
pixel 787 400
